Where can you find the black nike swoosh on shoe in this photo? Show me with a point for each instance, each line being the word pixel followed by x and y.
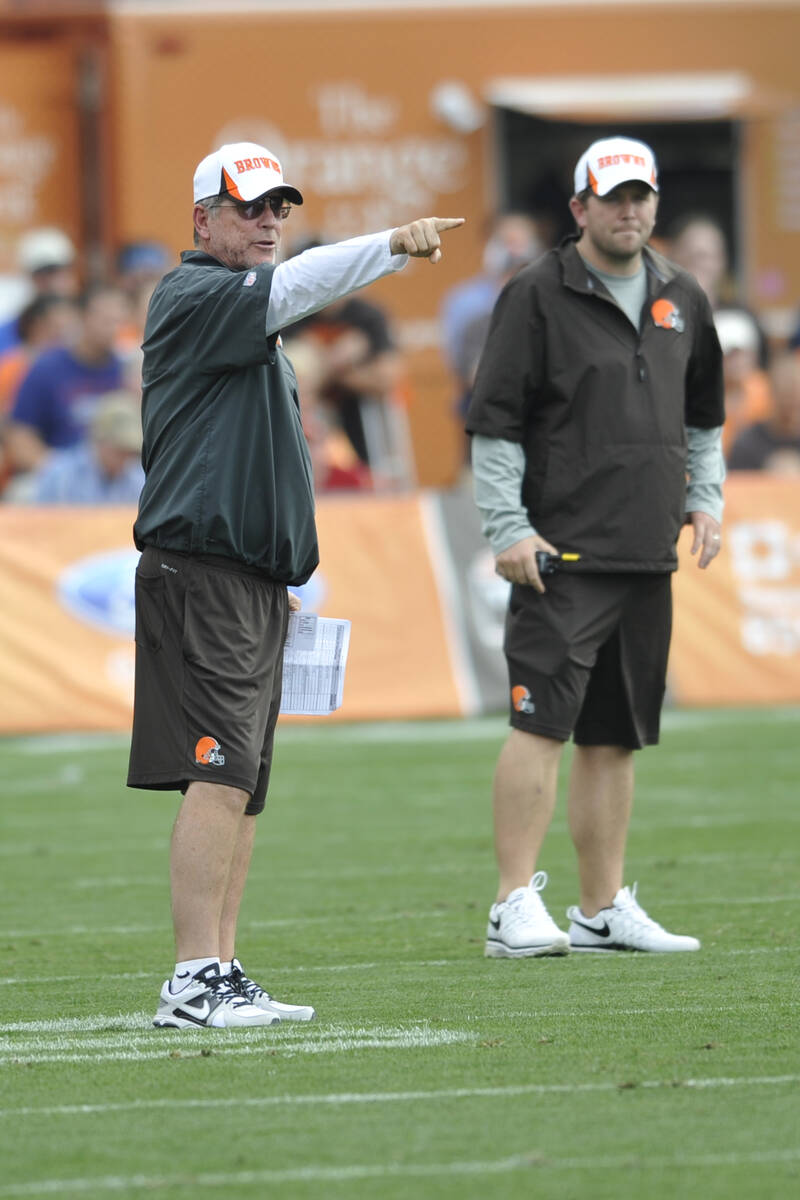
pixel 494 924
pixel 604 932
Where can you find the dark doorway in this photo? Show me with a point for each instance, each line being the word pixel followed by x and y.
pixel 698 167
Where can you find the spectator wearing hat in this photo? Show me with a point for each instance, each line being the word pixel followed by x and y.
pixel 58 396
pixel 139 266
pixel 47 259
pixel 104 469
pixel 696 241
pixel 747 396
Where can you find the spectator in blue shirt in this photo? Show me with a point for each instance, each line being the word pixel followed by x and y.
pixel 104 469
pixel 58 396
pixel 48 263
pixel 513 242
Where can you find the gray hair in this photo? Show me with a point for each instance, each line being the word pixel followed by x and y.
pixel 209 202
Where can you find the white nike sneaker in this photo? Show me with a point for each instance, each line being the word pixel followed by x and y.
pixel 624 926
pixel 521 927
pixel 256 995
pixel 210 1001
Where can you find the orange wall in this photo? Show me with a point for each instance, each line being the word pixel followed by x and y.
pixel 346 100
pixel 39 175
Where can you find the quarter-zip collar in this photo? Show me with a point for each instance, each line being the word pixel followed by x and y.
pixel 576 275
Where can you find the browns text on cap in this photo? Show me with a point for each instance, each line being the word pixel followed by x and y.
pixel 612 161
pixel 244 170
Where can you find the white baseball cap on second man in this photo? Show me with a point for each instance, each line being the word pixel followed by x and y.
pixel 612 161
pixel 244 170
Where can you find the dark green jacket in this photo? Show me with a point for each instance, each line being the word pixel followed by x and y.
pixel 599 407
pixel 226 462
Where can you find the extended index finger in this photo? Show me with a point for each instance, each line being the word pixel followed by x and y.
pixel 442 223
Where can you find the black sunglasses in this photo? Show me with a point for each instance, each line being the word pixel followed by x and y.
pixel 250 210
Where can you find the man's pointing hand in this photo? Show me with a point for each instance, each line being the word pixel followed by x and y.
pixel 421 238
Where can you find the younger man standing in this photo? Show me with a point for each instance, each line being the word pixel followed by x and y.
pixel 599 391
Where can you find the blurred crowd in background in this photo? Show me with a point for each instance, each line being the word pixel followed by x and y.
pixel 70 368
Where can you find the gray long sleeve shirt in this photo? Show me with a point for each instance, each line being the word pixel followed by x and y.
pixel 498 467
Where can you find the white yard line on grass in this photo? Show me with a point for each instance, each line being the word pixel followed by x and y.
pixel 129 1024
pixel 534 1161
pixel 336 1099
pixel 131 1038
pixel 138 1042
pixel 394 965
pixel 285 1049
pixel 436 914
pixel 44 849
pixel 401 870
pixel 727 901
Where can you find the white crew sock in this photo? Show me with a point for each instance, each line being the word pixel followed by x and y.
pixel 225 967
pixel 184 971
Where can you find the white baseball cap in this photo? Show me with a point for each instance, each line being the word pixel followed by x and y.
pixel 245 171
pixel 736 330
pixel 44 250
pixel 612 161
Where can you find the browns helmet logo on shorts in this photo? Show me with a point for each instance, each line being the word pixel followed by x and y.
pixel 667 316
pixel 521 699
pixel 207 751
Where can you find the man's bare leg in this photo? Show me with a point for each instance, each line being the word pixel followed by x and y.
pixel 236 881
pixel 599 811
pixel 204 844
pixel 524 798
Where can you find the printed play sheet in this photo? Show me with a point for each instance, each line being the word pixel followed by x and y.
pixel 314 660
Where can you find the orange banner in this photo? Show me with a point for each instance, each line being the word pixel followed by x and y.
pixel 737 624
pixel 66 610
pixel 376 570
pixel 66 614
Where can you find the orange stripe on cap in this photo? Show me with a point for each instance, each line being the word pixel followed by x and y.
pixel 592 180
pixel 230 186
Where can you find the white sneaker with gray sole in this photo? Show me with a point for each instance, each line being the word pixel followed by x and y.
pixel 209 1001
pixel 521 927
pixel 624 926
pixel 255 994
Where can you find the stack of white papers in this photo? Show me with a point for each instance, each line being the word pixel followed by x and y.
pixel 314 660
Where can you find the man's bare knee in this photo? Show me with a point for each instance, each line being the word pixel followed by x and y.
pixel 534 745
pixel 217 795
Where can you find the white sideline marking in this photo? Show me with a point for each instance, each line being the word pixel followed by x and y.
pixel 344 1098
pixel 437 914
pixel 439 868
pixel 422 964
pixel 274 923
pixel 139 1042
pixel 286 1049
pixel 133 1024
pixel 128 1022
pixel 318 1174
pixel 719 901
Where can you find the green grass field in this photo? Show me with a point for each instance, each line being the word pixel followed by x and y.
pixel 431 1071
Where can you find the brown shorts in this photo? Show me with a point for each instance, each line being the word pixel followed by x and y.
pixel 589 657
pixel 209 667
